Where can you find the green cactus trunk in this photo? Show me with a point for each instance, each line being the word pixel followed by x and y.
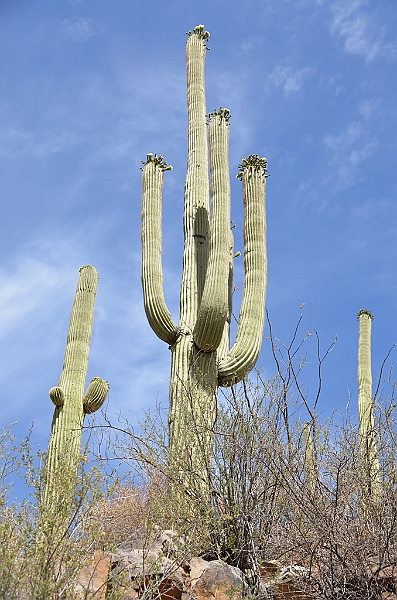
pixel 310 460
pixel 368 447
pixel 201 358
pixel 71 405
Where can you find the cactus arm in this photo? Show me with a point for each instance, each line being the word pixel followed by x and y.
pixel 365 403
pixel 157 313
pixel 196 205
pixel 245 351
pixel 95 395
pixel 214 307
pixel 57 396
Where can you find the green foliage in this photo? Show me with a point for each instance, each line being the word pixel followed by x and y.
pixel 44 552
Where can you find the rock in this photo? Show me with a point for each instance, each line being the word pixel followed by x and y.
pixel 215 580
pixel 197 567
pixel 269 569
pixel 152 561
pixel 155 565
pixel 289 584
pixel 94 577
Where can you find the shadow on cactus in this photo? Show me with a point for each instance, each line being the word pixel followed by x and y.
pixel 202 358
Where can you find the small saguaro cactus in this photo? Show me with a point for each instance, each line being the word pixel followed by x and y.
pixel 310 460
pixel 201 355
pixel 71 404
pixel 365 403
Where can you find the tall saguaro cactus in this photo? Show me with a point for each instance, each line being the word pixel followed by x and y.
pixel 365 402
pixel 71 404
pixel 201 357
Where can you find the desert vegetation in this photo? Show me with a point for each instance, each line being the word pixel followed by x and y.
pixel 238 468
pixel 284 486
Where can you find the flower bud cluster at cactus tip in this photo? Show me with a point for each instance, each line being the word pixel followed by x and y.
pixel 199 30
pixel 223 113
pixel 362 311
pixel 157 160
pixel 253 161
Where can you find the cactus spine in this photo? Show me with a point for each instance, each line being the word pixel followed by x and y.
pixel 365 402
pixel 201 358
pixel 71 404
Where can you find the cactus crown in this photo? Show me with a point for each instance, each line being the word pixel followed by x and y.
pixel 362 311
pixel 199 30
pixel 158 161
pixel 222 113
pixel 253 162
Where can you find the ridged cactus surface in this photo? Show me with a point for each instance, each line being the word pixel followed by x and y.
pixel 365 401
pixel 201 355
pixel 71 404
pixel 310 461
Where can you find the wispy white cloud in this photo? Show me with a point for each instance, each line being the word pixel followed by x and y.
pixel 16 142
pixel 369 107
pixel 358 28
pixel 334 83
pixel 349 150
pixel 25 292
pixel 287 78
pixel 36 294
pixel 77 29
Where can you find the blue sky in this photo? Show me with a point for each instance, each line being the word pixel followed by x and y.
pixel 88 87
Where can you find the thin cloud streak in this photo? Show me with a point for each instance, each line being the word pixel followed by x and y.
pixel 289 79
pixel 358 29
pixel 77 29
pixel 23 293
pixel 350 149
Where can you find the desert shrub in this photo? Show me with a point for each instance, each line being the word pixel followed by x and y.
pixel 284 485
pixel 43 551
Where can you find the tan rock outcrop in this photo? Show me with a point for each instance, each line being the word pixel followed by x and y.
pixel 215 580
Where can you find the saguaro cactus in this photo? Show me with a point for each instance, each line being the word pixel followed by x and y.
pixel 365 402
pixel 201 358
pixel 71 404
pixel 310 460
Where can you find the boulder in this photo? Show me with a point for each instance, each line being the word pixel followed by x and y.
pixel 94 577
pixel 290 583
pixel 215 580
pixel 151 561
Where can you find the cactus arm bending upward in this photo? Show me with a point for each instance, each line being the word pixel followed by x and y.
pixel 157 313
pixel 245 350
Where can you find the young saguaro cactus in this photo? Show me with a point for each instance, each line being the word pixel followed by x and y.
pixel 71 404
pixel 310 460
pixel 365 402
pixel 201 355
